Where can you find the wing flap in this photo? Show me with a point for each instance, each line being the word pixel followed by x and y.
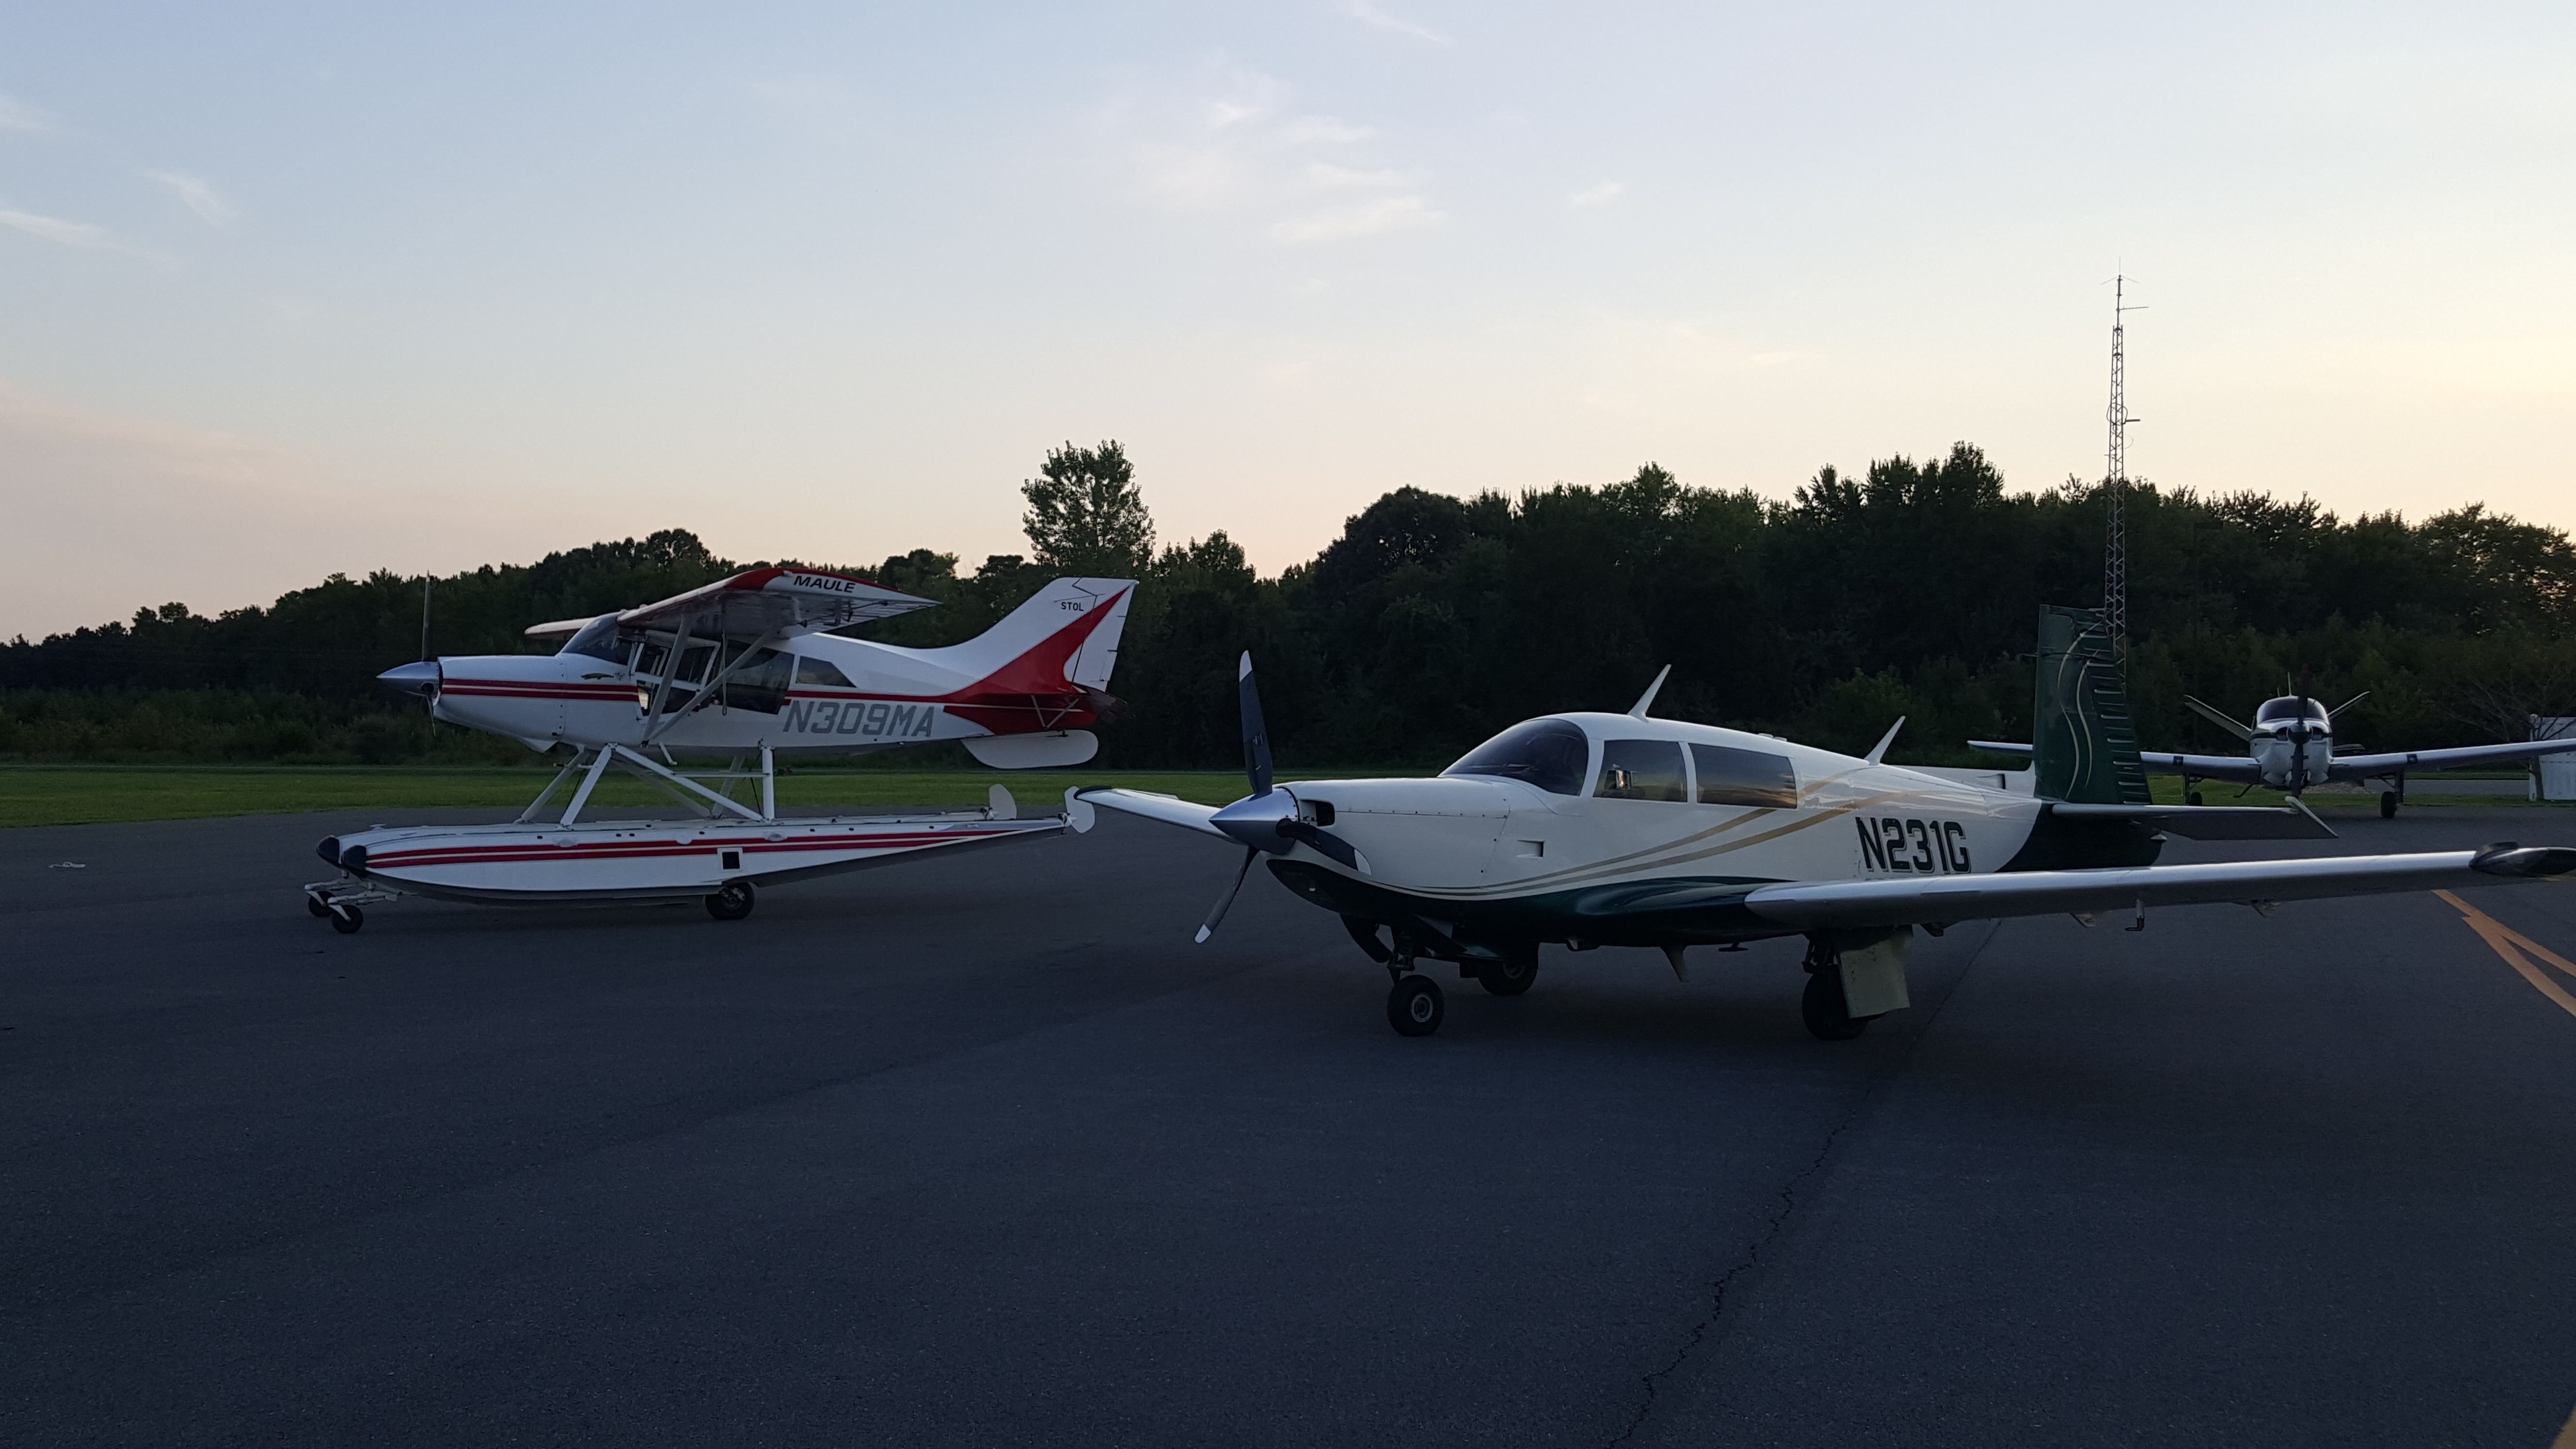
pixel 2048 892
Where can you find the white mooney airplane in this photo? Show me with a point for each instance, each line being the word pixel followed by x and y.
pixel 1625 830
pixel 755 678
pixel 2290 747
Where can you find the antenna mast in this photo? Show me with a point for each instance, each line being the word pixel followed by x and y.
pixel 2115 482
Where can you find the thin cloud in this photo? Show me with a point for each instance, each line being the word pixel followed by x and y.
pixel 199 196
pixel 1391 213
pixel 1376 19
pixel 16 115
pixel 1606 192
pixel 58 231
pixel 1236 142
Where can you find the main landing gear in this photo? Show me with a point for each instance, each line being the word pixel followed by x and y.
pixel 1827 1017
pixel 732 902
pixel 1513 974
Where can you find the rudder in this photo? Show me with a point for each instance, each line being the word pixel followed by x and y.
pixel 2084 743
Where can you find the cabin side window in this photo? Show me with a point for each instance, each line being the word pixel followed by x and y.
pixel 810 670
pixel 759 683
pixel 1729 776
pixel 1640 770
pixel 1547 753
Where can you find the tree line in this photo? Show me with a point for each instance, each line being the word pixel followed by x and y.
pixel 1911 588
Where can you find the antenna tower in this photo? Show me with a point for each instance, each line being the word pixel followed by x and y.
pixel 2115 482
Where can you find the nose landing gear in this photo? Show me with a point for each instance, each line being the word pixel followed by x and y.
pixel 1413 1005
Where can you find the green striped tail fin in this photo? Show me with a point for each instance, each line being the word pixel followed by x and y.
pixel 2084 745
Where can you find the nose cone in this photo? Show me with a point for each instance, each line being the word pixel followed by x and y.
pixel 1256 819
pixel 420 681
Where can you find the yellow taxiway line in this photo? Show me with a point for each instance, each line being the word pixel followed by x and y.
pixel 2505 939
pixel 2511 944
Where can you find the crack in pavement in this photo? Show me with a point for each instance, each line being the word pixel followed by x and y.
pixel 1702 1331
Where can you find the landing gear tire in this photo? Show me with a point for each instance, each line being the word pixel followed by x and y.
pixel 1512 975
pixel 731 903
pixel 2387 804
pixel 313 905
pixel 346 919
pixel 1828 1018
pixel 1414 1007
pixel 2192 799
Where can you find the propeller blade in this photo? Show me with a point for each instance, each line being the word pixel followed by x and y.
pixel 1225 902
pixel 1332 847
pixel 1256 736
pixel 2242 732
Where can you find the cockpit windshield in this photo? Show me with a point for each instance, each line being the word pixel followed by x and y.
pixel 2287 707
pixel 598 639
pixel 1548 753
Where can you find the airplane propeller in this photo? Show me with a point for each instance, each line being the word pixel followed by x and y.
pixel 2219 718
pixel 2299 742
pixel 1267 819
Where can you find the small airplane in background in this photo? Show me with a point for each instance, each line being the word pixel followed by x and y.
pixel 740 670
pixel 1626 830
pixel 2290 747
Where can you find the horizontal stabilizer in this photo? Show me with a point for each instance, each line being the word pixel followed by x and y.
pixel 2000 747
pixel 2211 822
pixel 1853 903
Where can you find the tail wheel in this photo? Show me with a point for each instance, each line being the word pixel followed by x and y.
pixel 314 906
pixel 1828 1017
pixel 1414 1007
pixel 731 903
pixel 1513 974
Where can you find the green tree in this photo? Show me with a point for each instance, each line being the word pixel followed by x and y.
pixel 1085 514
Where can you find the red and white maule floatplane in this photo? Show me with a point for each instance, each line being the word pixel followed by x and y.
pixel 740 671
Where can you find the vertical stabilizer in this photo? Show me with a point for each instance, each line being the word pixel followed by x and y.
pixel 2084 746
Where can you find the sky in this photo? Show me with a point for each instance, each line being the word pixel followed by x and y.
pixel 287 290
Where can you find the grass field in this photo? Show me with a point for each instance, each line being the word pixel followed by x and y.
pixel 88 794
pixel 80 795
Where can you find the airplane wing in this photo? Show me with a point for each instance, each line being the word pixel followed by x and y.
pixel 1860 903
pixel 559 628
pixel 2363 767
pixel 2235 769
pixel 773 601
pixel 1169 809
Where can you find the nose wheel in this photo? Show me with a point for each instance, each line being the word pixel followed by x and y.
pixel 1413 1005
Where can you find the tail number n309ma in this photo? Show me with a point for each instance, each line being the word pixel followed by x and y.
pixel 1905 843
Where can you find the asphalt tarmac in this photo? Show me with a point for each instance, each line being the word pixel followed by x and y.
pixel 984 1151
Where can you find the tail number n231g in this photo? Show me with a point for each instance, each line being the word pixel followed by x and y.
pixel 1905 843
